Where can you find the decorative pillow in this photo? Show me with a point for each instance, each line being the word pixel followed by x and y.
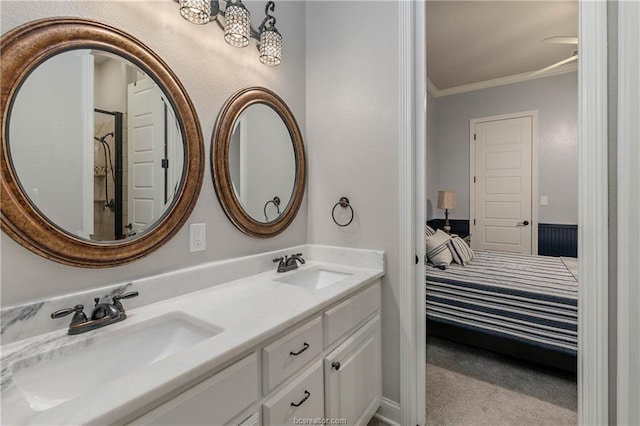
pixel 428 231
pixel 460 250
pixel 438 251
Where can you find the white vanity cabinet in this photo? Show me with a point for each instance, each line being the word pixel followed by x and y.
pixel 326 366
pixel 352 376
pixel 215 401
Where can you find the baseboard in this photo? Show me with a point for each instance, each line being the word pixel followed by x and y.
pixel 389 412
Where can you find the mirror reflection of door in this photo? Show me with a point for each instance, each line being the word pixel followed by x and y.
pixel 95 145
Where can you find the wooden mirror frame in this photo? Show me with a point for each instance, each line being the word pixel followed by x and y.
pixel 225 124
pixel 22 50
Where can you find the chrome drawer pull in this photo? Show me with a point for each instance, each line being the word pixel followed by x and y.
pixel 306 396
pixel 304 348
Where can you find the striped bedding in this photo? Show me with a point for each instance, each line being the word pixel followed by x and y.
pixel 531 299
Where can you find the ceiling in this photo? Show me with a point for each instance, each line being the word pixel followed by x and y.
pixel 473 41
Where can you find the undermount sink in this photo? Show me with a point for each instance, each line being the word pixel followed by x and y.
pixel 83 367
pixel 314 279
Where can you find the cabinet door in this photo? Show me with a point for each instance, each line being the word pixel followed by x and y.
pixel 353 376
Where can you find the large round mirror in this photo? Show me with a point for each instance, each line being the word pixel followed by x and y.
pixel 258 162
pixel 101 148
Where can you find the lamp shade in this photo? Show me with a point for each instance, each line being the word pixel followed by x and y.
pixel 446 200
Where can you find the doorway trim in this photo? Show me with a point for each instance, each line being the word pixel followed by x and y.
pixel 593 198
pixel 593 324
pixel 534 170
pixel 412 214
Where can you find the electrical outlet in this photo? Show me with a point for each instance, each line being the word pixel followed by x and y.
pixel 197 237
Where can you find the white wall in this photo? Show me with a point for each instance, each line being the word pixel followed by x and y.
pixel 555 98
pixel 352 135
pixel 48 140
pixel 211 71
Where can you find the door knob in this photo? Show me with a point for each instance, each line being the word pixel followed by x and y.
pixel 525 223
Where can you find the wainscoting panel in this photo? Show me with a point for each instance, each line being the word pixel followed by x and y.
pixel 458 226
pixel 553 239
pixel 557 240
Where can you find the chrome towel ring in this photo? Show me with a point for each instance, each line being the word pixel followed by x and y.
pixel 344 203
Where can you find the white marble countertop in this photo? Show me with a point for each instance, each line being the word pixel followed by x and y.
pixel 249 310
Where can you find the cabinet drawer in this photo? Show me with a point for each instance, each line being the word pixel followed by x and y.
pixel 253 420
pixel 214 401
pixel 290 353
pixel 348 314
pixel 302 399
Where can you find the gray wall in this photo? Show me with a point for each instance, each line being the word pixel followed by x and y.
pixel 211 71
pixel 555 98
pixel 352 133
pixel 432 161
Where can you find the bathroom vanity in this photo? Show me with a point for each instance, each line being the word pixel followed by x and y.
pixel 265 348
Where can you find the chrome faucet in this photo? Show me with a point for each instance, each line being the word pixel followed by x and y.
pixel 104 313
pixel 289 263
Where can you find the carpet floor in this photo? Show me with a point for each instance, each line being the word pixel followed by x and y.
pixel 468 386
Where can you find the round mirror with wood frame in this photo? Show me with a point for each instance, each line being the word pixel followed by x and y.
pixel 25 48
pixel 282 154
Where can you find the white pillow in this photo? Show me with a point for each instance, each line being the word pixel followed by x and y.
pixel 428 231
pixel 438 251
pixel 460 251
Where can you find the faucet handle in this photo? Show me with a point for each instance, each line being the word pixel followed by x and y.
pixel 278 259
pixel 64 312
pixel 78 314
pixel 126 296
pixel 116 300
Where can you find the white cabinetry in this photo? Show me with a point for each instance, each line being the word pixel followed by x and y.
pixel 302 399
pixel 353 376
pixel 326 366
pixel 214 401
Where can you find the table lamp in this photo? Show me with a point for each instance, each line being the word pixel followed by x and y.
pixel 446 201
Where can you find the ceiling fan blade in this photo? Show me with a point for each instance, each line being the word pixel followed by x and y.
pixel 556 65
pixel 561 40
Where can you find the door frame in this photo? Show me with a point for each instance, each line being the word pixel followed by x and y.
pixel 593 324
pixel 534 171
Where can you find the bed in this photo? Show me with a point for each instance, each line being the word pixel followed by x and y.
pixel 523 306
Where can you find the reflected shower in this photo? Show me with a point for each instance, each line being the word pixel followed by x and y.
pixel 108 166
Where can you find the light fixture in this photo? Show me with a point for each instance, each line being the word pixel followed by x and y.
pixel 270 46
pixel 237 25
pixel 446 201
pixel 196 11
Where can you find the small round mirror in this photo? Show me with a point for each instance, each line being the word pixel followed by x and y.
pixel 262 163
pixel 258 162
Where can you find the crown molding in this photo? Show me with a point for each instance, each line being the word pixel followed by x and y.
pixel 431 88
pixel 511 79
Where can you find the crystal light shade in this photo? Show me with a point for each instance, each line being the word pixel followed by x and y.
pixel 270 47
pixel 237 25
pixel 195 11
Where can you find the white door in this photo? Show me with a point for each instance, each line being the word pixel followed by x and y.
pixel 146 150
pixel 501 210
